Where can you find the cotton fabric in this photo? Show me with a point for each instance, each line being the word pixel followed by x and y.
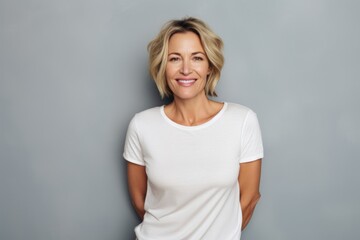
pixel 193 190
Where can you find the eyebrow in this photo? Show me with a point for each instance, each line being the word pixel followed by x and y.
pixel 194 53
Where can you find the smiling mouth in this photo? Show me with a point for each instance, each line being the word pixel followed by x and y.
pixel 185 82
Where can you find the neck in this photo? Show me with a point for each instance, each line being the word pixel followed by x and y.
pixel 193 111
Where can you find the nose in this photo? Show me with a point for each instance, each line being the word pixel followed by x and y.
pixel 185 67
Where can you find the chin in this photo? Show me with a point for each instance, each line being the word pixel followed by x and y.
pixel 187 96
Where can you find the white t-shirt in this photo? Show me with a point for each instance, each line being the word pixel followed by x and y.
pixel 193 190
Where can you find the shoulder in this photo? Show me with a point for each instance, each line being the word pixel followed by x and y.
pixel 147 116
pixel 238 109
pixel 240 114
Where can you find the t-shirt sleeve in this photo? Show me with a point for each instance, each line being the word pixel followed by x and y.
pixel 132 148
pixel 251 141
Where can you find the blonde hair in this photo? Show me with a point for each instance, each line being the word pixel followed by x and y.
pixel 158 52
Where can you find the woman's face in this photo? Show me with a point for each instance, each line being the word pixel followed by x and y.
pixel 187 67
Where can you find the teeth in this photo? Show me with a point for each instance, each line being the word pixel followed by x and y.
pixel 186 80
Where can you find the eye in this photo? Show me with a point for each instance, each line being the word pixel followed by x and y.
pixel 198 58
pixel 174 59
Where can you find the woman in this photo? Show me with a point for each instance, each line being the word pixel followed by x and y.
pixel 194 164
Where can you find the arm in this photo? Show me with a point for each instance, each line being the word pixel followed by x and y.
pixel 249 182
pixel 137 182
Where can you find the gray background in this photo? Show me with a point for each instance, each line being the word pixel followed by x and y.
pixel 73 73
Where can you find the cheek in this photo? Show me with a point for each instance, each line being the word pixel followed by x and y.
pixel 168 78
pixel 204 72
pixel 203 68
pixel 169 71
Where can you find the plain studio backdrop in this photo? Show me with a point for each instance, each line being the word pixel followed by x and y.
pixel 74 72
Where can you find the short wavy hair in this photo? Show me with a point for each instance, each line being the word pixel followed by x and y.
pixel 158 52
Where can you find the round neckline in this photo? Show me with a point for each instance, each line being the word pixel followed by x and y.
pixel 196 127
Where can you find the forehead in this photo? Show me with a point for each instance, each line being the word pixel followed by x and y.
pixel 187 41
